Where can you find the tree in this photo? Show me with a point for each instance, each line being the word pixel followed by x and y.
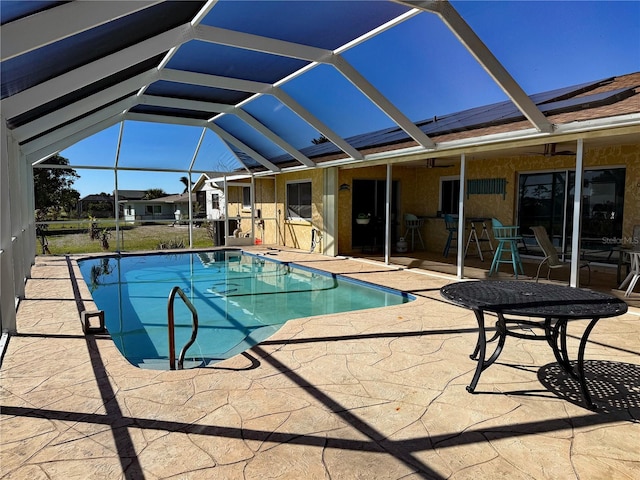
pixel 185 180
pixel 52 186
pixel 153 193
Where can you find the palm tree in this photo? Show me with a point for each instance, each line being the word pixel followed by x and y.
pixel 185 180
pixel 154 193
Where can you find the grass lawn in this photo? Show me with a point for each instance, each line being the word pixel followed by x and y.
pixel 146 237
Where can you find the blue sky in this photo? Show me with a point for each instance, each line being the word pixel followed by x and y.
pixel 418 65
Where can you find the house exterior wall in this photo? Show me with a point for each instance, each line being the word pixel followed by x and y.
pixel 297 233
pixel 265 198
pixel 167 211
pixel 210 212
pixel 419 191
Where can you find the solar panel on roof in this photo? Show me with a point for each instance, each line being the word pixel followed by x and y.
pixel 243 157
pixel 563 93
pixel 588 101
pixel 474 118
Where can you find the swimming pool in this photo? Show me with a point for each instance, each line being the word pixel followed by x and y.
pixel 241 300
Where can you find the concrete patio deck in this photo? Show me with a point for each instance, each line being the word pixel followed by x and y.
pixel 372 394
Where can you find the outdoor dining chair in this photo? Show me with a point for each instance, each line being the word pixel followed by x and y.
pixel 551 254
pixel 507 237
pixel 451 224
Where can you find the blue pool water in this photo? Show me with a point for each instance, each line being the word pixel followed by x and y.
pixel 241 300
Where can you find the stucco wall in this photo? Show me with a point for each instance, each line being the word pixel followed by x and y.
pixel 297 233
pixel 419 188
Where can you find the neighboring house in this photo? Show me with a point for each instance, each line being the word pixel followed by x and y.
pixel 172 207
pixel 214 198
pixel 210 198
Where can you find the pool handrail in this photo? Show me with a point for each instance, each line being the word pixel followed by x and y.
pixel 171 328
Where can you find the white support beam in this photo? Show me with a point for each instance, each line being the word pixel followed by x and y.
pixel 81 124
pixel 80 77
pixel 227 137
pixel 60 22
pixel 381 102
pixel 148 117
pixel 196 105
pixel 258 43
pixel 317 124
pixel 576 228
pixel 8 282
pixel 82 107
pixel 468 37
pixel 295 153
pixel 214 81
pixel 74 138
pixel 461 218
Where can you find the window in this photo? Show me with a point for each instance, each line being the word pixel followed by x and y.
pixel 153 209
pixel 246 197
pixel 299 200
pixel 546 198
pixel 215 201
pixel 449 194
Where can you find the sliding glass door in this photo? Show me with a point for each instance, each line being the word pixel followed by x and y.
pixel 546 198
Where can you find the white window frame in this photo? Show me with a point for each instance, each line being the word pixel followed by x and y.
pixel 287 210
pixel 447 178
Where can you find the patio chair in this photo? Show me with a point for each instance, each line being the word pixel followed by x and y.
pixel 551 254
pixel 508 237
pixel 451 224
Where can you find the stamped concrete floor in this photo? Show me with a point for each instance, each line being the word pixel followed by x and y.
pixel 374 394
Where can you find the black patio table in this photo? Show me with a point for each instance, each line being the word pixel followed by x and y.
pixel 556 304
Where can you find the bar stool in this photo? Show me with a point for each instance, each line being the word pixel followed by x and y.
pixel 473 237
pixel 451 224
pixel 413 224
pixel 508 238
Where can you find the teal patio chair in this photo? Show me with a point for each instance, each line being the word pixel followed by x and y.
pixel 507 237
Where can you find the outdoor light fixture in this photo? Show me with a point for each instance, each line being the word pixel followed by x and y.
pixel 345 186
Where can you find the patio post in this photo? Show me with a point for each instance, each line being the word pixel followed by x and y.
pixel 461 236
pixel 116 207
pixel 226 210
pixel 577 217
pixel 8 280
pixel 252 201
pixel 190 186
pixel 190 203
pixel 387 216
